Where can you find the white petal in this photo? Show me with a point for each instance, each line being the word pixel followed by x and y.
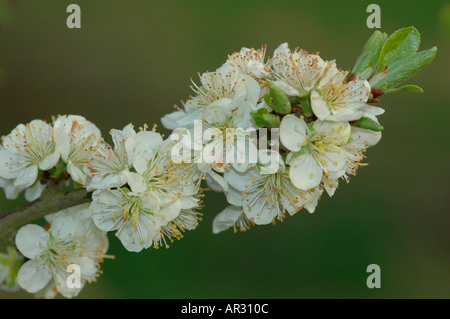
pixel 108 181
pixel 333 159
pixel 65 226
pixel 305 172
pixel 50 161
pixel 10 164
pixel 362 138
pixel 32 278
pixel 293 132
pixel 234 197
pixel 34 192
pixel 257 69
pixel 338 132
pixel 136 182
pixel 331 183
pixel 319 105
pixel 226 219
pixel 347 114
pixel 281 49
pixel 190 117
pixel 241 181
pixel 171 210
pixel 216 182
pixel 259 210
pixel 188 202
pixel 103 205
pixel 271 162
pixel 61 138
pixel 26 176
pixel 313 197
pixel 11 192
pixel 31 240
pixel 286 88
pixel 76 173
pixel 253 89
pixel 372 110
pixel 61 276
pixel 356 93
pixel 88 267
pixel 132 243
pixel 170 120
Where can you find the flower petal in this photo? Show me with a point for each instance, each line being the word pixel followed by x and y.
pixel 32 277
pixel 34 192
pixel 226 219
pixel 31 240
pixel 319 105
pixel 26 176
pixel 65 226
pixel 305 172
pixel 293 132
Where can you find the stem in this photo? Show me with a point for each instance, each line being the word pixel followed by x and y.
pixel 51 201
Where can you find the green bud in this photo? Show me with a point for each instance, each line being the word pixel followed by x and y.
pixel 369 124
pixel 258 116
pixel 271 120
pixel 306 107
pixel 280 102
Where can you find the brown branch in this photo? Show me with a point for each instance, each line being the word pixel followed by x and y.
pixel 51 201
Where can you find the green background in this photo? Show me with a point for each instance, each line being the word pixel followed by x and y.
pixel 131 62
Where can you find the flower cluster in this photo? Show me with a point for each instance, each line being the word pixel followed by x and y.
pixel 309 102
pixel 38 150
pixel 137 191
pixel 140 192
pixel 70 238
pixel 272 133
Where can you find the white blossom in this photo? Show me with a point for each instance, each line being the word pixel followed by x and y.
pixel 75 138
pixel 360 140
pixel 315 150
pixel 297 72
pixel 337 99
pixel 159 192
pixel 51 251
pixel 110 166
pixel 27 149
pixel 266 197
pixel 220 93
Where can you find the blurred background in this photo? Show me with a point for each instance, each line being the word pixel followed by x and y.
pixel 131 62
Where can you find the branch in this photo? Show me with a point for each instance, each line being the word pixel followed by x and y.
pixel 51 201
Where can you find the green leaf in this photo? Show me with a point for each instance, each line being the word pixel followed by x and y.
pixel 258 116
pixel 403 69
pixel 281 103
pixel 406 88
pixel 369 124
pixel 366 62
pixel 400 44
pixel 271 120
